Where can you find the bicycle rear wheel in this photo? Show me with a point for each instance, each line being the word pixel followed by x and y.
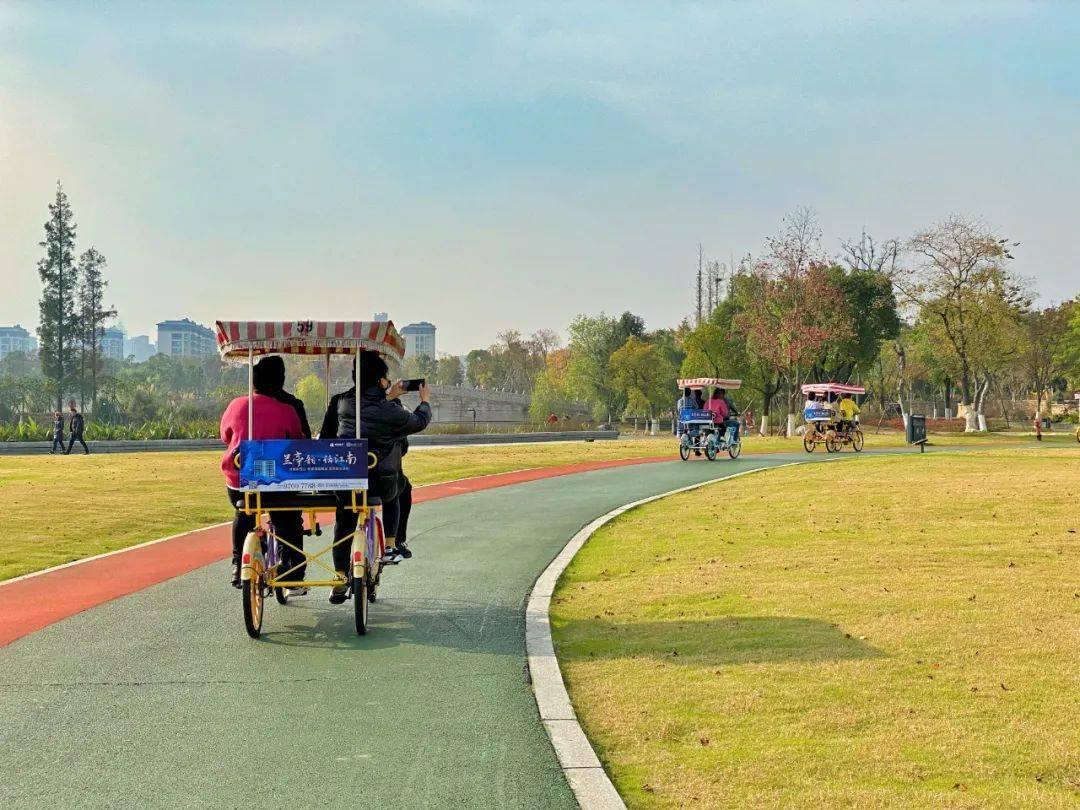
pixel 857 441
pixel 254 602
pixel 360 604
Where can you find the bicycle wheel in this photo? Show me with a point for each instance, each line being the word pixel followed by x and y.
pixel 832 442
pixel 808 443
pixel 252 590
pixel 734 449
pixel 857 441
pixel 684 448
pixel 711 449
pixel 360 604
pixel 281 597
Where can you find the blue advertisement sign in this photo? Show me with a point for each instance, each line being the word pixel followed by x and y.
pixel 817 414
pixel 695 415
pixel 284 465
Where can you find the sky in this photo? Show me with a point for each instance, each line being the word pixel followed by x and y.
pixel 491 166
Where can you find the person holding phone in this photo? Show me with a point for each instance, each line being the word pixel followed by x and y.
pixel 386 424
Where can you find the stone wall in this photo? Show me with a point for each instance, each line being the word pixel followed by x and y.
pixel 465 405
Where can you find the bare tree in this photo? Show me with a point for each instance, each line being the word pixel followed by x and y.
pixel 700 283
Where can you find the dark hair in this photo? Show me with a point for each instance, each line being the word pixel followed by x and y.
pixel 372 369
pixel 811 396
pixel 721 392
pixel 268 375
pixel 686 392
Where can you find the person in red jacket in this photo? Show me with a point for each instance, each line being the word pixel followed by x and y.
pixel 273 419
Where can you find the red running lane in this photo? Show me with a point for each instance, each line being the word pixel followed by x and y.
pixel 30 603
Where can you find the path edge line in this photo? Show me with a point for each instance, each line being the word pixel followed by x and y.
pixel 592 787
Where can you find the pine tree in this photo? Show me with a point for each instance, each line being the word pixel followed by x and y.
pixel 57 305
pixel 92 315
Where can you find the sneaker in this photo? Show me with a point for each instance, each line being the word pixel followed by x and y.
pixel 339 593
pixel 403 550
pixel 391 557
pixel 292 593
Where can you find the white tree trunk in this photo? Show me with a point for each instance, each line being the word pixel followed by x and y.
pixel 763 426
pixel 971 419
pixel 982 423
pixel 790 425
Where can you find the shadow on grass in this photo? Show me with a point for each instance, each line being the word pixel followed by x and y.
pixel 712 642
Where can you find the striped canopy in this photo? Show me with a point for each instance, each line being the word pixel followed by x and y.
pixel 832 388
pixel 710 382
pixel 236 338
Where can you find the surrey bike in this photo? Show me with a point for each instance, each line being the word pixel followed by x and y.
pixel 310 476
pixel 822 423
pixel 698 431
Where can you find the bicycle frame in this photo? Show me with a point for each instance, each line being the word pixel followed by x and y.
pixel 253 556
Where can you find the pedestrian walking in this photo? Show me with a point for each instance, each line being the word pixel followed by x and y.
pixel 76 427
pixel 57 433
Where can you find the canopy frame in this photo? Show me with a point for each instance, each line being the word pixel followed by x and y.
pixel 237 339
pixel 698 383
pixel 832 388
pixel 243 341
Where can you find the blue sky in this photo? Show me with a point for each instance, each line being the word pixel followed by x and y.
pixel 492 166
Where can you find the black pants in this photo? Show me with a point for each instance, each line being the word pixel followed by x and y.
pixel 78 439
pixel 395 517
pixel 57 441
pixel 287 525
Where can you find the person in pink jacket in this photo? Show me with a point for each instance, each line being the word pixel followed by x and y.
pixel 718 405
pixel 272 420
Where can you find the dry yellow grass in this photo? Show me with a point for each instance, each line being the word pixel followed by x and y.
pixel 902 631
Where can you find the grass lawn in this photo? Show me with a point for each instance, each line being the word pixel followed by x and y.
pixel 770 642
pixel 59 509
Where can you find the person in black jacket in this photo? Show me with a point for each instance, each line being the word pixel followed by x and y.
pixel 385 423
pixel 272 369
pixel 57 433
pixel 76 427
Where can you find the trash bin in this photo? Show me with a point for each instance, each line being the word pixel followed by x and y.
pixel 916 429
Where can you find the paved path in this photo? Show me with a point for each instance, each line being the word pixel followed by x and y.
pixel 159 698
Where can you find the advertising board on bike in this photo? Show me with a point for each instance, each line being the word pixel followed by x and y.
pixel 291 465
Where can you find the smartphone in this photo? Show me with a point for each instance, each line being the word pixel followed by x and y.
pixel 414 385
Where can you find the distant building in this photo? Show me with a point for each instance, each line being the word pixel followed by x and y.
pixel 419 339
pixel 112 343
pixel 16 339
pixel 139 348
pixel 185 338
pixel 381 317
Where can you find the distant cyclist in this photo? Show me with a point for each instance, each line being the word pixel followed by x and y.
pixel 847 411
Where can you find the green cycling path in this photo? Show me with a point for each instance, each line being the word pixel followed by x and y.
pixel 160 699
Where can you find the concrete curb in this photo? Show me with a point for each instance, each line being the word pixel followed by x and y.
pixel 580 765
